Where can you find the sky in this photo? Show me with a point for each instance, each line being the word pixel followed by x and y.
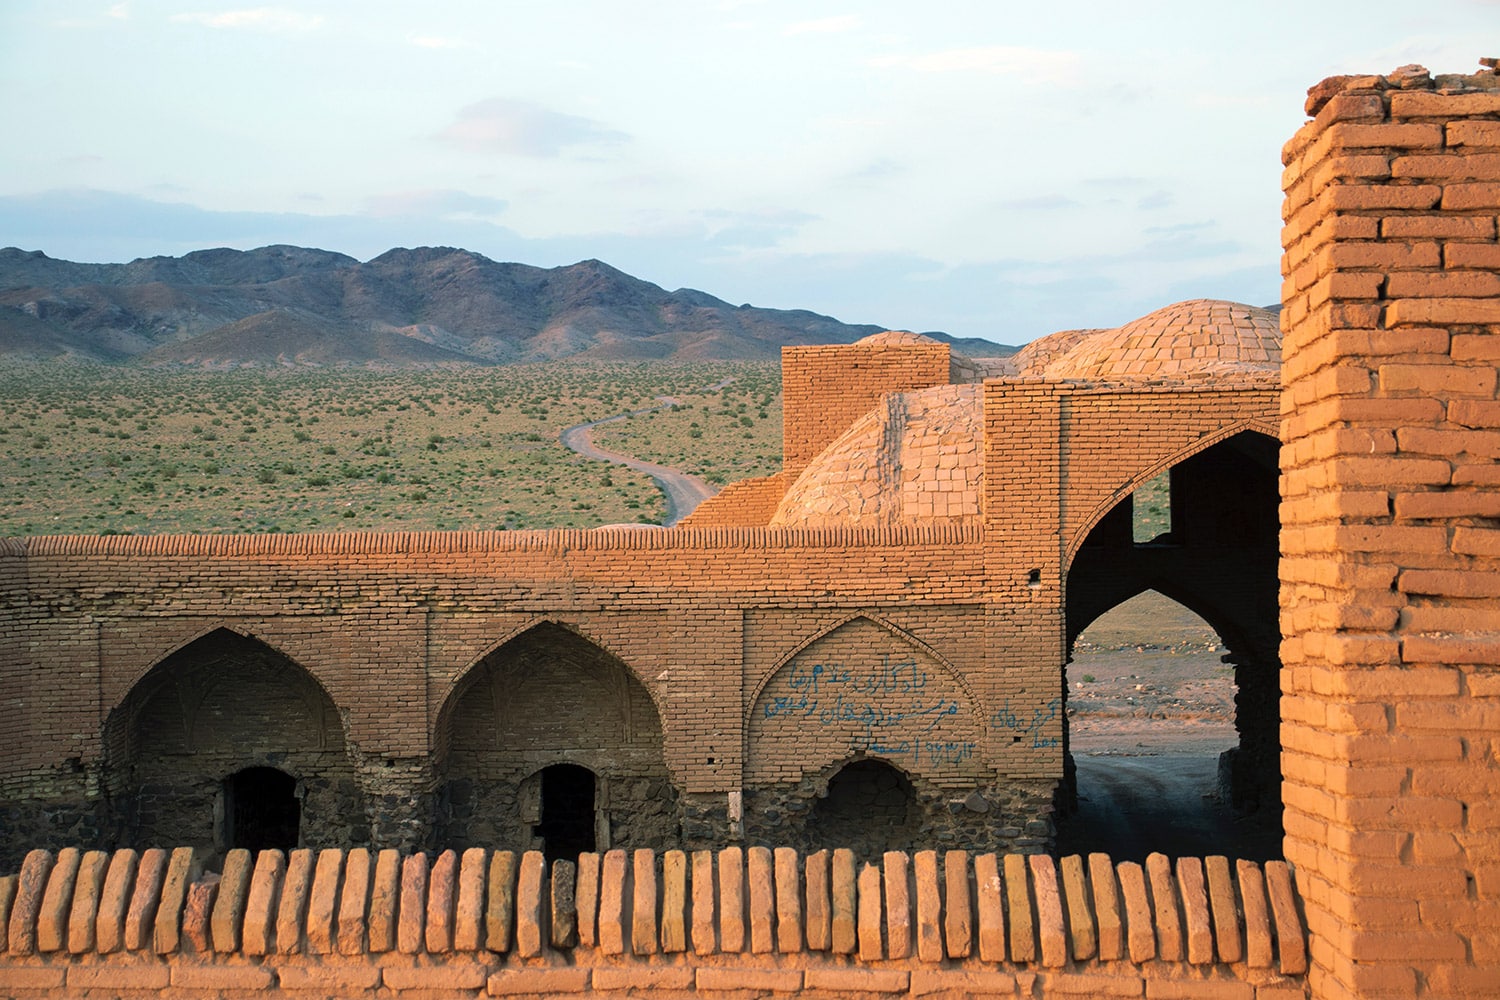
pixel 987 169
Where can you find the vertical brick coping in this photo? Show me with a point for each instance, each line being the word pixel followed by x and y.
pixel 494 923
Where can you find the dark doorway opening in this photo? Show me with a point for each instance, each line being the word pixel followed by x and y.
pixel 567 826
pixel 868 808
pixel 261 809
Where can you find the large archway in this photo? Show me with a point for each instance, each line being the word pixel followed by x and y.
pixel 1205 536
pixel 194 750
pixel 546 698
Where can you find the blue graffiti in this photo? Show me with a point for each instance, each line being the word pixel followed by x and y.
pixel 1005 718
pixel 887 699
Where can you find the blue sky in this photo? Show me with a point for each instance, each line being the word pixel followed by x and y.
pixel 989 169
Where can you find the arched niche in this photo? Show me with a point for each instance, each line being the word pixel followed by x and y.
pixel 217 706
pixel 548 697
pixel 863 688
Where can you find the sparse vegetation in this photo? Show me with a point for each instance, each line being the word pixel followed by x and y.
pixel 353 449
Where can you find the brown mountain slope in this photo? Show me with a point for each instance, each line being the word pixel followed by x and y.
pixel 430 305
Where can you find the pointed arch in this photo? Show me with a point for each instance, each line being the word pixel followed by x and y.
pixel 1146 474
pixel 548 694
pixel 862 687
pixel 874 619
pixel 216 704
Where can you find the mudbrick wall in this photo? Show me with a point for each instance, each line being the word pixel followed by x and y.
pixel 416 689
pixel 730 923
pixel 825 388
pixel 1391 430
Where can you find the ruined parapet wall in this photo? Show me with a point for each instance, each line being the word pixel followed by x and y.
pixel 732 922
pixel 1391 428
pixel 748 503
pixel 393 627
pixel 826 388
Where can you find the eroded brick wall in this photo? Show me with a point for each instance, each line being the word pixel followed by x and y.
pixel 733 923
pixel 1391 429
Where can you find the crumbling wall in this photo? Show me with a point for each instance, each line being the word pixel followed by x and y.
pixel 1391 428
pixel 729 923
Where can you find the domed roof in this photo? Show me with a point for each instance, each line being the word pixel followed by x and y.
pixel 915 459
pixel 1032 358
pixel 895 338
pixel 1189 339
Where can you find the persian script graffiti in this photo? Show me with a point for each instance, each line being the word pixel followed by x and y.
pixel 887 702
pixel 1031 727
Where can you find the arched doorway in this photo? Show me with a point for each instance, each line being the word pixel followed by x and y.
pixel 261 810
pixel 230 705
pixel 568 811
pixel 870 807
pixel 550 697
pixel 1203 535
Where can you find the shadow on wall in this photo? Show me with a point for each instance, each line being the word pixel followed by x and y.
pixel 225 743
pixel 550 742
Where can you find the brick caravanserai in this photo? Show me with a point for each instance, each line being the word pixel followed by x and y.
pixel 813 740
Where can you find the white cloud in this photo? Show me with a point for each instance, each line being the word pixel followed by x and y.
pixel 120 11
pixel 254 19
pixel 1044 64
pixel 822 25
pixel 500 125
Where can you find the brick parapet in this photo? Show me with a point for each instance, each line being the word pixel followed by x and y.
pixel 826 387
pixel 492 923
pixel 1391 624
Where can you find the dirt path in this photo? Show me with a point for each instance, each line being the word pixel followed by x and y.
pixel 684 492
pixel 1129 807
pixel 1150 708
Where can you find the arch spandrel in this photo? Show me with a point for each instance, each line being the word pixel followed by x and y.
pixel 863 689
pixel 1150 471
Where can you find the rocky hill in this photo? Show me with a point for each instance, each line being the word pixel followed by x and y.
pixel 283 305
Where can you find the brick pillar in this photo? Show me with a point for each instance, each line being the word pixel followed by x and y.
pixel 1390 595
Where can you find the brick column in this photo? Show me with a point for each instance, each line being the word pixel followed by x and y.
pixel 1390 595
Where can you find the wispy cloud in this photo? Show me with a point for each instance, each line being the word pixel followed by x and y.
pixel 823 25
pixel 434 203
pixel 500 125
pixel 1046 64
pixel 274 19
pixel 119 11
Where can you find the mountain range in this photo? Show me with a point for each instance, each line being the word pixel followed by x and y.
pixel 285 305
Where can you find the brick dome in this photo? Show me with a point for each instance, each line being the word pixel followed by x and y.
pixel 914 459
pixel 895 338
pixel 1185 340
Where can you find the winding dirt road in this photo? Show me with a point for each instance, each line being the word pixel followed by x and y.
pixel 683 492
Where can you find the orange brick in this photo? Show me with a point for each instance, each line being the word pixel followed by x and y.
pixel 450 975
pixel 763 980
pixel 118 977
pixel 335 980
pixel 221 977
pixel 540 982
